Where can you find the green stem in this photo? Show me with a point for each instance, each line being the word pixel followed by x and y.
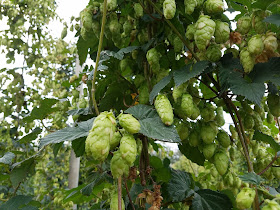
pixel 98 56
pixel 175 30
pixel 266 193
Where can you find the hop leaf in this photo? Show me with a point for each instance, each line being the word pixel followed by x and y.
pixel 244 24
pixel 214 6
pixel 247 60
pixel 205 28
pixel 129 123
pixel 245 198
pixel 169 9
pixel 164 109
pixel 222 32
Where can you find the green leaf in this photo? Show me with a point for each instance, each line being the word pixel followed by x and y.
pixel 159 86
pixel 68 134
pixel 274 19
pixel 16 202
pixel 262 4
pixel 252 178
pixel 42 112
pixel 180 186
pixel 83 111
pixel 31 136
pixel 78 145
pixel 259 136
pixel 83 46
pixel 192 153
pixel 21 170
pixel 135 190
pixel 7 158
pixel 205 199
pixel 56 148
pixel 87 190
pixel 187 72
pixel 151 124
pixel 162 174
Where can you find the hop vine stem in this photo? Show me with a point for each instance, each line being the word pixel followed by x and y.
pixel 98 55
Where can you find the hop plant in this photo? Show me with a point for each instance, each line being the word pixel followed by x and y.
pixel 179 90
pixel 178 44
pixel 190 32
pixel 129 123
pixel 208 133
pixel 190 6
pixel 270 42
pixel 194 138
pixel 257 21
pixel 247 60
pixel 183 130
pixel 114 202
pixel 213 53
pixel 222 32
pixel 220 116
pixel 273 102
pixel 115 141
pixel 128 149
pixel 205 28
pixel 208 113
pixel 143 94
pixel 187 105
pixel 118 165
pixel 169 9
pixel 270 205
pixel 221 162
pixel 86 19
pixel 223 139
pixel 214 6
pixel 100 135
pixel 209 150
pixel 164 109
pixel 245 198
pixel 249 122
pixel 153 59
pixel 138 10
pixel 255 45
pixel 244 24
pixel 112 5
pixel 270 118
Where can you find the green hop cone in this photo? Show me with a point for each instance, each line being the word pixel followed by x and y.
pixel 244 24
pixel 228 180
pixel 127 27
pixel 64 33
pixel 153 57
pixel 222 32
pixel 208 113
pixel 208 133
pixel 164 109
pixel 169 8
pixel 221 162
pixel 220 116
pixel 249 122
pixel 245 198
pixel 247 60
pixel 129 123
pixel 138 10
pixel 96 28
pixel 270 42
pixel 234 52
pixel 125 67
pixel 114 202
pixel 190 32
pixel 257 21
pixel 115 26
pixel 273 102
pixel 258 121
pixel 237 182
pixel 209 150
pixel 118 165
pixel 223 139
pixel 205 28
pixel 86 19
pixel 190 6
pixel 183 130
pixel 128 149
pixel 270 205
pixel 178 91
pixel 178 44
pixel 276 172
pixel 255 45
pixel 195 113
pixel 112 5
pixel 187 104
pixel 270 118
pixel 214 6
pixel 194 138
pixel 213 53
pixel 100 135
pixel 115 141
pixel 144 94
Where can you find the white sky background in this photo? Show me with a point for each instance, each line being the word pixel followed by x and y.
pixel 66 9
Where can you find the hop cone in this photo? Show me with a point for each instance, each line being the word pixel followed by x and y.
pixel 208 113
pixel 245 198
pixel 128 149
pixel 205 28
pixel 112 5
pixel 244 24
pixel 223 139
pixel 190 6
pixel 118 165
pixel 221 162
pixel 183 130
pixel 257 21
pixel 220 116
pixel 255 45
pixel 164 109
pixel 208 133
pixel 213 53
pixel 86 19
pixel 144 94
pixel 209 150
pixel 273 102
pixel 271 205
pixel 190 32
pixel 98 140
pixel 114 202
pixel 194 138
pixel 222 32
pixel 214 6
pixel 270 42
pixel 187 104
pixel 129 123
pixel 138 9
pixel 169 9
pixel 179 90
pixel 247 60
pixel 115 140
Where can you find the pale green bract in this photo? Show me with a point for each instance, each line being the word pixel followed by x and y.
pixel 128 149
pixel 129 123
pixel 255 45
pixel 247 60
pixel 214 6
pixel 164 109
pixel 221 162
pixel 190 6
pixel 245 198
pixel 114 202
pixel 169 9
pixel 190 32
pixel 213 53
pixel 118 165
pixel 222 32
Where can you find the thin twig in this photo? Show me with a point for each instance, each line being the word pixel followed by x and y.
pixel 14 194
pixel 98 55
pixel 119 192
pixel 130 200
